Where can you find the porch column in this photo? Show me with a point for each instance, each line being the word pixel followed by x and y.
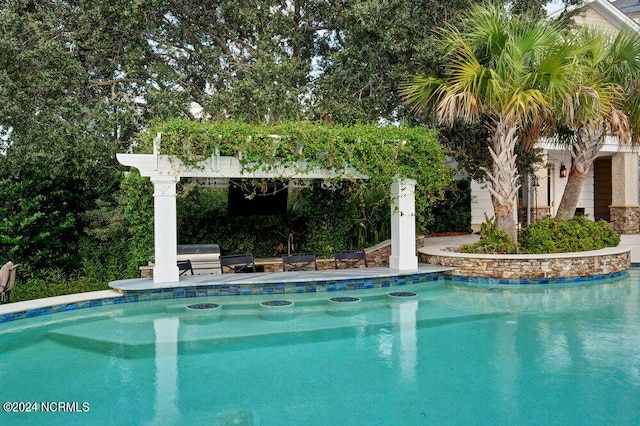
pixel 403 226
pixel 165 229
pixel 624 209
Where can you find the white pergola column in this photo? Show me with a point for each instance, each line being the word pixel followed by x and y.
pixel 624 209
pixel 165 227
pixel 403 225
pixel 624 179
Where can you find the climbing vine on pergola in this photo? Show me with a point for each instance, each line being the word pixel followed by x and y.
pixel 381 153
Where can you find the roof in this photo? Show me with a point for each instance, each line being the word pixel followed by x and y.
pixel 627 6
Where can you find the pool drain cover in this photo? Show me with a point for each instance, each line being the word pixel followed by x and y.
pixel 202 313
pixel 276 310
pixel 276 303
pixel 200 306
pixel 403 294
pixel 345 299
pixel 400 298
pixel 344 305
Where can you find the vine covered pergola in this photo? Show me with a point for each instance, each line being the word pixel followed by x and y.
pixel 394 156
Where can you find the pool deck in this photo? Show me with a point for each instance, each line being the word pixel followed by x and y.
pixel 140 289
pixel 265 278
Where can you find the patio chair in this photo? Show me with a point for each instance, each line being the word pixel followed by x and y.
pixel 299 262
pixel 7 280
pixel 237 263
pixel 350 259
pixel 185 266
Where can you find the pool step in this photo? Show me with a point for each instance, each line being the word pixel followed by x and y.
pixel 138 340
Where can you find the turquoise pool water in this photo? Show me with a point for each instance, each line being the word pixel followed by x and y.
pixel 451 356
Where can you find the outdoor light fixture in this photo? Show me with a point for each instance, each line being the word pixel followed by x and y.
pixel 563 171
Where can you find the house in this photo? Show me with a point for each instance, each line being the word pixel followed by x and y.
pixel 610 191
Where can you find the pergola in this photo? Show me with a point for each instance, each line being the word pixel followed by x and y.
pixel 165 172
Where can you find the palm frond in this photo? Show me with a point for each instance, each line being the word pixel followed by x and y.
pixel 625 54
pixel 632 106
pixel 465 106
pixel 618 124
pixel 418 91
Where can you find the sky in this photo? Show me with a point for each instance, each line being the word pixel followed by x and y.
pixel 554 6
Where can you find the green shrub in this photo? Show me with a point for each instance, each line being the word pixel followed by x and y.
pixel 550 235
pixel 36 284
pixel 34 228
pixel 452 213
pixel 497 242
pixel 137 208
pixel 320 220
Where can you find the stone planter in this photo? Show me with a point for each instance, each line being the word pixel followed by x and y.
pixel 602 262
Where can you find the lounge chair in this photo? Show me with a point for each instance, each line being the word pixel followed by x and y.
pixel 350 259
pixel 299 262
pixel 185 266
pixel 7 280
pixel 237 263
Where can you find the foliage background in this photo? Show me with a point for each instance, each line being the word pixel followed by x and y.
pixel 81 78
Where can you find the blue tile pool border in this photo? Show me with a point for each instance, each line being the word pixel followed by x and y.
pixel 331 285
pixel 520 283
pixel 134 296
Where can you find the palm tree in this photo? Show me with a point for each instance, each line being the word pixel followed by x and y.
pixel 605 101
pixel 509 69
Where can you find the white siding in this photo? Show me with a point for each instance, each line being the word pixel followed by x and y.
pixel 480 204
pixel 588 16
pixel 586 196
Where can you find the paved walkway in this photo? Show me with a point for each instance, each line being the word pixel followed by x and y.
pixel 633 242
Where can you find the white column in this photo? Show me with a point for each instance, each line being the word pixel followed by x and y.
pixel 624 179
pixel 403 225
pixel 165 229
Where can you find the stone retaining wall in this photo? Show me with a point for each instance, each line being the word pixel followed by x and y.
pixel 377 255
pixel 597 262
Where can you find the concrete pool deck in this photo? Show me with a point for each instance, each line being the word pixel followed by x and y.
pixel 138 284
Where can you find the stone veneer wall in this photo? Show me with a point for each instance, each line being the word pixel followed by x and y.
pixel 377 255
pixel 598 262
pixel 625 220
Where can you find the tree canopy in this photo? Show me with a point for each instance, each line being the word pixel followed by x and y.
pixel 507 73
pixel 81 78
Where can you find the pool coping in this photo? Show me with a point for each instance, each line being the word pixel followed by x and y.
pixel 261 283
pixel 273 283
pixel 445 250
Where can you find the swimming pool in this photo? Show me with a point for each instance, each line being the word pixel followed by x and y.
pixel 448 356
